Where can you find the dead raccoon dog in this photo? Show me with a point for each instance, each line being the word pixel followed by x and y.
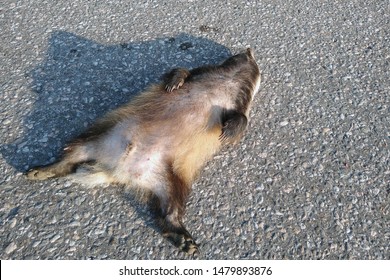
pixel 162 138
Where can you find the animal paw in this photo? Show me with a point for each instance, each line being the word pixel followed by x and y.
pixel 175 79
pixel 174 84
pixel 184 242
pixel 189 246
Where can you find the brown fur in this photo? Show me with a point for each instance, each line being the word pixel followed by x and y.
pixel 161 139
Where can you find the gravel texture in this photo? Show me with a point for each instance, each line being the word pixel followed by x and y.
pixel 311 179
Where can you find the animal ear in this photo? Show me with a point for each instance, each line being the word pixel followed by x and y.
pixel 250 52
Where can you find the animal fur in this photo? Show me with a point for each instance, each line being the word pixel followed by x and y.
pixel 161 140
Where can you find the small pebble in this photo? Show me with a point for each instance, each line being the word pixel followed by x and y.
pixel 10 248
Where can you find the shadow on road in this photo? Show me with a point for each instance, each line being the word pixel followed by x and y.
pixel 80 80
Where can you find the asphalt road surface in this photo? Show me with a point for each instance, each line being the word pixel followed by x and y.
pixel 309 181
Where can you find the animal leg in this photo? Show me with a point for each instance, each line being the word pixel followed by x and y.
pixel 173 229
pixel 170 210
pixel 74 155
pixel 175 79
pixel 233 126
